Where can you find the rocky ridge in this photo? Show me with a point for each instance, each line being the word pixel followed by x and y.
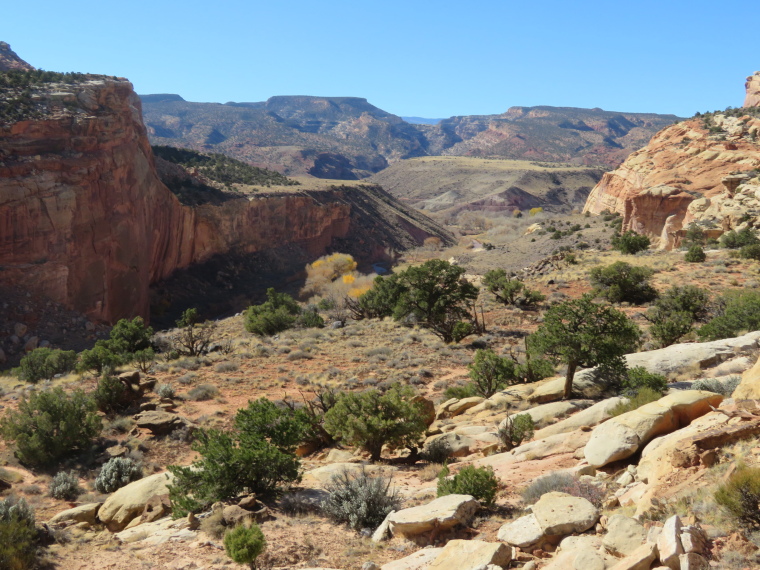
pixel 753 90
pixel 10 61
pixel 690 171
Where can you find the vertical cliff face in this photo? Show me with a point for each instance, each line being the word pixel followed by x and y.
pixel 10 61
pixel 86 221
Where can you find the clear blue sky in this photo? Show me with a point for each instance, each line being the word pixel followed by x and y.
pixel 429 59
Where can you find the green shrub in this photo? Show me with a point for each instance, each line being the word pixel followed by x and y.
pixel 623 282
pixel 116 473
pixel 245 544
pixel 750 251
pixel 516 429
pixel 675 312
pixel 735 240
pixel 480 482
pixel 165 391
pixel 379 301
pixel 111 395
pixel 310 320
pixel 535 369
pixel 737 311
pixel 695 254
pixel 642 397
pixel 18 536
pixel 100 358
pixel 740 496
pixel 459 392
pixel 144 359
pixel 44 363
pixel 510 290
pixel 437 451
pixel 490 372
pixel 128 337
pixel 360 500
pixel 278 313
pixel 372 419
pixel 65 486
pixel 694 236
pixel 51 426
pixel 630 242
pixel 638 378
pixel 256 456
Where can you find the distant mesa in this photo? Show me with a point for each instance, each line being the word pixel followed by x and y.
pixel 160 98
pixel 10 61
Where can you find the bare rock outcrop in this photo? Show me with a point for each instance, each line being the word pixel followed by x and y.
pixel 752 98
pixel 686 162
pixel 10 61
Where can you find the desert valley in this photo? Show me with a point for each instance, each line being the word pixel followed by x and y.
pixel 307 333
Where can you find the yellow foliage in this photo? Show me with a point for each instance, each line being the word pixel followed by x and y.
pixel 534 211
pixel 348 279
pixel 356 292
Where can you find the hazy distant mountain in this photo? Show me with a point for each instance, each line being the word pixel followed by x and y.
pixel 421 120
pixel 348 138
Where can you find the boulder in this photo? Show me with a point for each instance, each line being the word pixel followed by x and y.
pixel 624 535
pixel 83 513
pixel 162 423
pixel 588 418
pixel 640 559
pixel 339 456
pixel 584 384
pixel 428 409
pixel 471 554
pixel 159 532
pixel 522 532
pixel 442 513
pixel 588 560
pixel 561 514
pixel 459 445
pixel 461 406
pixel 382 531
pixel 693 561
pixel 669 543
pixel 129 501
pixel 749 387
pixel 622 436
pixel 417 561
pixel 546 414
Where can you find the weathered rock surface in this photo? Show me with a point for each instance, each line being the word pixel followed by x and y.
pixel 162 423
pixel 640 559
pixel 749 387
pixel 752 99
pixel 522 532
pixel 560 514
pixel 471 554
pixel 442 513
pixel 129 501
pixel 624 535
pixel 587 418
pixel 458 445
pixel 623 435
pixel 83 513
pixel 669 543
pixel 158 532
pixel 546 414
pixel 10 61
pixel 417 561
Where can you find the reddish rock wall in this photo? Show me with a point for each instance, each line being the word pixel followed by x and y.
pixel 753 90
pixel 85 220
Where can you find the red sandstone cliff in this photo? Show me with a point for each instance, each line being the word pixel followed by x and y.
pixel 753 90
pixel 683 162
pixel 85 220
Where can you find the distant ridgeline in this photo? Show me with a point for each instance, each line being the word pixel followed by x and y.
pixel 221 168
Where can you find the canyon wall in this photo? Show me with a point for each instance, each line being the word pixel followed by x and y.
pixel 85 220
pixel 752 86
pixel 682 163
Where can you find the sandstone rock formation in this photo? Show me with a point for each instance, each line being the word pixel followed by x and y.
pixel 129 501
pixel 442 513
pixel 660 188
pixel 10 61
pixel 753 90
pixel 88 223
